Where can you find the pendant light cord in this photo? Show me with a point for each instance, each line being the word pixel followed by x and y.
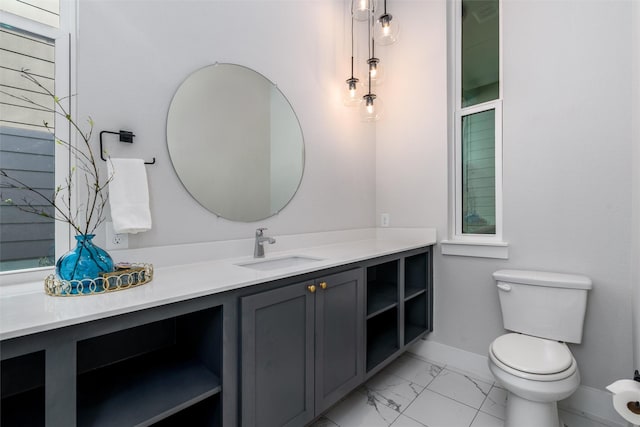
pixel 370 48
pixel 373 47
pixel 352 39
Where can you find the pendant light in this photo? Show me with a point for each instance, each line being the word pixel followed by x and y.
pixel 387 29
pixel 361 10
pixel 374 67
pixel 371 109
pixel 353 95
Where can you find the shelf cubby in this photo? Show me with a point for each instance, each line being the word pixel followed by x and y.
pixel 202 414
pixel 382 296
pixel 382 337
pixel 414 293
pixel 146 374
pixel 415 275
pixel 23 395
pixel 382 287
pixel 415 317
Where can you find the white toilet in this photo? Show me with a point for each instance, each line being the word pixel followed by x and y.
pixel 534 365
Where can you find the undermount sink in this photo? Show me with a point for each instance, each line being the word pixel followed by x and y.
pixel 274 263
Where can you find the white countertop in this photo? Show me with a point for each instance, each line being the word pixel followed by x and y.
pixel 25 308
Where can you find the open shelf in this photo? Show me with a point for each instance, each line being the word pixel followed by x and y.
pixel 413 293
pixel 415 317
pixel 202 414
pixel 382 337
pixel 143 390
pixel 145 374
pixel 415 275
pixel 23 410
pixel 381 296
pixel 382 287
pixel 23 396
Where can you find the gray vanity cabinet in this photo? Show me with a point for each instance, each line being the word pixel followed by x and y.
pixel 302 348
pixel 399 305
pixel 162 366
pixel 339 338
pixel 277 357
pixel 297 346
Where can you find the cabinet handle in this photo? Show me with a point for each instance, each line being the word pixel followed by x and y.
pixel 312 288
pixel 323 285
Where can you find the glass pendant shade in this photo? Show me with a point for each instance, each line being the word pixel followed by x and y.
pixel 361 10
pixel 352 92
pixel 375 71
pixel 386 30
pixel 371 108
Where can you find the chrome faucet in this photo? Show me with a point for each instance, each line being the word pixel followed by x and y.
pixel 258 251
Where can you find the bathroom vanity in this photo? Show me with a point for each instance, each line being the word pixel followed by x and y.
pixel 217 343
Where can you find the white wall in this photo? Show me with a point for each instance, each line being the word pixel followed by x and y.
pixel 411 156
pixel 133 55
pixel 567 138
pixel 567 157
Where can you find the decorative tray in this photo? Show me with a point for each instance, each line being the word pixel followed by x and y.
pixel 133 275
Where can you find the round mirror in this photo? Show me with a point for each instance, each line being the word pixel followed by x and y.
pixel 235 142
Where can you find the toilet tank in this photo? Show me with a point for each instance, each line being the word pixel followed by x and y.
pixel 542 304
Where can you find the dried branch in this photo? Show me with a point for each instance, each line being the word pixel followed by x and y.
pixel 85 216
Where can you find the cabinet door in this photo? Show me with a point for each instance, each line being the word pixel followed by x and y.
pixel 339 336
pixel 277 357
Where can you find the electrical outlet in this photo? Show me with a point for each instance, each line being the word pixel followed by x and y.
pixel 384 219
pixel 115 240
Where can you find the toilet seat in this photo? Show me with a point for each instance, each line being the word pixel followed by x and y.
pixel 532 358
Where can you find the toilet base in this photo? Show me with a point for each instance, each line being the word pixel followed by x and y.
pixel 526 413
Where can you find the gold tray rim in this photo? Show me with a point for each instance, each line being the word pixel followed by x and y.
pixel 57 287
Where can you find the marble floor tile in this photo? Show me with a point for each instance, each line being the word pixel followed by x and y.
pixel 490 379
pixel 486 420
pixel 569 419
pixel 463 388
pixel 413 369
pixel 392 391
pixel 397 397
pixel 496 402
pixel 403 421
pixel 323 422
pixel 435 410
pixel 360 410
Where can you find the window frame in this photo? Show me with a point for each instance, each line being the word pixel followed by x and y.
pixel 459 243
pixel 459 115
pixel 65 83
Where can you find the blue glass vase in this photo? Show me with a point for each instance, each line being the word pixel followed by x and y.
pixel 85 261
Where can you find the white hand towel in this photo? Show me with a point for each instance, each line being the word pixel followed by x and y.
pixel 129 196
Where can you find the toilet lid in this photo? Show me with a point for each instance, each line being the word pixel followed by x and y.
pixel 532 354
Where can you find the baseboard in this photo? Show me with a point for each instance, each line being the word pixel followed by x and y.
pixel 587 401
pixel 455 358
pixel 593 403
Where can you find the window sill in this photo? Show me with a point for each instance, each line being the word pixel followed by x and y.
pixel 27 275
pixel 498 250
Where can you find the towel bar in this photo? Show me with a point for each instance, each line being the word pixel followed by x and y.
pixel 125 136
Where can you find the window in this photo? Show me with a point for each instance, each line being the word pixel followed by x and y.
pixel 31 42
pixel 40 11
pixel 478 164
pixel 27 150
pixel 476 199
